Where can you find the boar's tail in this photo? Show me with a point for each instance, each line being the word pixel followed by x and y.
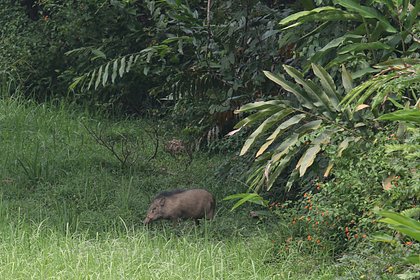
pixel 212 209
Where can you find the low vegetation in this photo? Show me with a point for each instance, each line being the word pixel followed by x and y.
pixel 300 117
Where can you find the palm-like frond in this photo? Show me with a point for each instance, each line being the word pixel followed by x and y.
pixel 299 130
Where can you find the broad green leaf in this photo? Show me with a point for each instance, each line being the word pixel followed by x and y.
pixel 412 232
pixel 334 44
pixel 98 78
pixel 246 197
pixel 375 87
pixel 398 219
pixel 312 125
pixel 413 259
pixel 122 67
pixel 262 113
pixel 284 147
pixel 328 170
pixel 363 72
pixel 263 127
pixel 308 159
pixel 327 84
pixel 98 54
pixel 410 115
pixel 114 71
pixel 290 87
pixel 105 75
pixel 321 14
pixel 364 46
pixel 397 61
pixel 299 15
pixel 382 237
pixel 285 125
pixel 312 92
pixel 367 12
pixel 76 81
pixel 344 145
pixel 129 64
pixel 279 168
pixel 354 93
pixel 258 105
pixel 92 79
pixel 292 178
pixel 346 78
pixel 309 92
pixel 412 16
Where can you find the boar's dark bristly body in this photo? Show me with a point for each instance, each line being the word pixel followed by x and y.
pixel 182 204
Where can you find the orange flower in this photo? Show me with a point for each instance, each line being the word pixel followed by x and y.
pixel 364 236
pixel 309 238
pixel 318 241
pixel 408 243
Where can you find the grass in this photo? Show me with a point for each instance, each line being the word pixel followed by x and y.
pixel 70 210
pixel 37 252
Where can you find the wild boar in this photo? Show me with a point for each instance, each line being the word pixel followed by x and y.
pixel 182 204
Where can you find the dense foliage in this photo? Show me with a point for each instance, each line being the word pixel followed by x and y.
pixel 319 101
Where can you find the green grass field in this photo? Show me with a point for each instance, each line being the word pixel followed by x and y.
pixel 69 210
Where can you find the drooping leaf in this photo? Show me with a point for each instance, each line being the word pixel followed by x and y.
pixel 76 82
pixel 296 16
pixel 346 78
pixel 404 224
pixel 327 84
pixel 105 75
pixel 259 115
pixel 276 117
pixel 122 67
pixel 328 169
pixel 284 126
pixel 297 91
pixel 308 159
pixel 258 105
pixel 92 78
pixel 410 115
pixel 98 78
pixel 344 144
pixel 364 46
pixel 334 44
pixel 114 71
pixel 246 197
pixel 129 63
pixel 285 146
pixel 98 54
pixel 367 12
pixel 311 92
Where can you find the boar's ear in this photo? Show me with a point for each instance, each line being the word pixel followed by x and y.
pixel 162 201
